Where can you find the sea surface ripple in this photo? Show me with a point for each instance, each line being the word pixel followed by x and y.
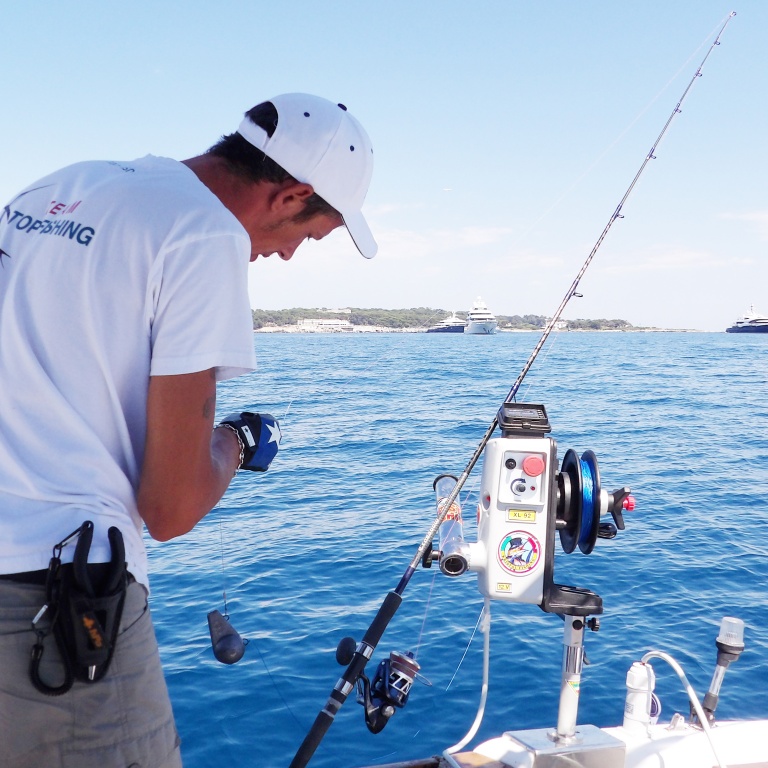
pixel 307 551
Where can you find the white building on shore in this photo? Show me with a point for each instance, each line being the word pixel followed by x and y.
pixel 324 325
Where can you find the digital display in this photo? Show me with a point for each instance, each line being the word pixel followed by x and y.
pixel 524 411
pixel 523 418
pixel 527 413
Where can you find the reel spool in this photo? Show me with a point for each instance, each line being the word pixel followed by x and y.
pixel 394 678
pixel 581 501
pixel 578 504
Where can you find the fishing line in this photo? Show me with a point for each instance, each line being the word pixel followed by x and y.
pixel 287 408
pixel 246 641
pixel 426 611
pixel 466 650
pixel 720 25
pixel 429 599
pixel 278 689
pixel 587 500
pixel 365 648
pixel 223 569
pixel 486 620
pixel 227 644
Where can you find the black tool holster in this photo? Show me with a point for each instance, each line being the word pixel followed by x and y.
pixel 85 604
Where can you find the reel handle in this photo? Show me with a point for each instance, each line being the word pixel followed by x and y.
pixel 620 499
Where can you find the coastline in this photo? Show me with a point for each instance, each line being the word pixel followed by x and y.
pixel 381 329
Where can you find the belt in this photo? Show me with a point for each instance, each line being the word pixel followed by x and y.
pixel 28 577
pixel 96 572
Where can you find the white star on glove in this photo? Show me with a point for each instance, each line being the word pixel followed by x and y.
pixel 275 435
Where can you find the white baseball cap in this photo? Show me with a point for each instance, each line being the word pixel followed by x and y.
pixel 321 144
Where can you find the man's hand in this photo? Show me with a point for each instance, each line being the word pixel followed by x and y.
pixel 259 435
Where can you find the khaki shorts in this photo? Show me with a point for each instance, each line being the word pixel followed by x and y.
pixel 122 721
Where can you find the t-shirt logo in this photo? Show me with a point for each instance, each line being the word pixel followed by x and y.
pixel 57 224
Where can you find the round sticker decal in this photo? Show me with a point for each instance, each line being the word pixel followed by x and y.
pixel 519 552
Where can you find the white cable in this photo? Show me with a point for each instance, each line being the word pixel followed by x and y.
pixel 486 627
pixel 691 695
pixel 466 650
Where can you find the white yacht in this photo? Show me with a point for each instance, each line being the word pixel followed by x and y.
pixel 480 319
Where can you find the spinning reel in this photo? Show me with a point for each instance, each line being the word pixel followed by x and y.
pixel 390 687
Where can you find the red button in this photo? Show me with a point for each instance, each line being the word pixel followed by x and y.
pixel 533 466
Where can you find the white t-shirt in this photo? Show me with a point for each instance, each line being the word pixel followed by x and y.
pixel 109 273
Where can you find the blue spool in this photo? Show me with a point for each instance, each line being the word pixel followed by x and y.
pixel 590 498
pixel 579 502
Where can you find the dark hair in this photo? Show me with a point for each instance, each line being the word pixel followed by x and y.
pixel 251 164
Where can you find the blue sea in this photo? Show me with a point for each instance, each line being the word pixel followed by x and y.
pixel 307 551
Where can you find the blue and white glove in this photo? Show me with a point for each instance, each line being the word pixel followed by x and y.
pixel 259 435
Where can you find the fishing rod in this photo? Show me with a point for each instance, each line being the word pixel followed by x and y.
pixel 356 656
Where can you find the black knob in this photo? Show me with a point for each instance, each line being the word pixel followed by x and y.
pixel 345 650
pixel 606 531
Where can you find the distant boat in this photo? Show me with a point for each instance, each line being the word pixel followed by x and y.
pixel 480 319
pixel 451 324
pixel 750 322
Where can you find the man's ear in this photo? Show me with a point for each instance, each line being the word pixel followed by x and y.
pixel 289 198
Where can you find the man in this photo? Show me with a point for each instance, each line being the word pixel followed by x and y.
pixel 123 300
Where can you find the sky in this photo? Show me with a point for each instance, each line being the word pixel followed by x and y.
pixel 505 134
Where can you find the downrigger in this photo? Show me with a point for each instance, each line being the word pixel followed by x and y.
pixel 524 500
